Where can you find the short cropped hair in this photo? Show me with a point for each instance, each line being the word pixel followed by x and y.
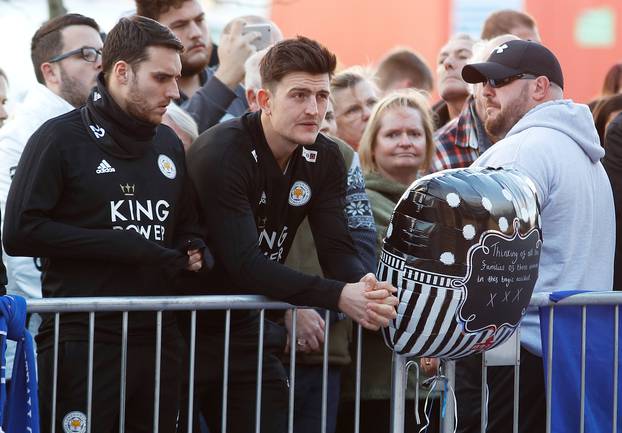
pixel 504 21
pixel 410 98
pixel 350 77
pixel 47 41
pixel 3 75
pixel 296 55
pixel 129 39
pixel 403 63
pixel 155 8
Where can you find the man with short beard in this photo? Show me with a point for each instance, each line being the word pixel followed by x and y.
pixel 463 139
pixel 66 55
pixel 554 142
pixel 211 76
pixel 102 193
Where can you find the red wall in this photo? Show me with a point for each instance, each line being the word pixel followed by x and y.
pixel 361 31
pixel 584 68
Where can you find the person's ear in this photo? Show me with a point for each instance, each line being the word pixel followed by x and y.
pixel 121 72
pixel 51 74
pixel 251 99
pixel 541 88
pixel 264 99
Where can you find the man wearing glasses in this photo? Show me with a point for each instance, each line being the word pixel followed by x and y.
pixel 66 57
pixel 554 142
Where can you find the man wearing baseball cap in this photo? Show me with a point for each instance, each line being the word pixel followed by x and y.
pixel 554 142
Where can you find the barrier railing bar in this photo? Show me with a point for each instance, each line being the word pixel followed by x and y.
pixel 155 303
pixel 325 370
pixel 225 372
pixel 483 414
pixel 259 372
pixel 193 341
pixel 292 373
pixel 516 384
pixel 357 395
pixel 158 366
pixel 616 324
pixel 243 302
pixel 449 422
pixel 583 349
pixel 55 368
pixel 592 298
pixel 398 391
pixel 89 392
pixel 122 396
pixel 549 372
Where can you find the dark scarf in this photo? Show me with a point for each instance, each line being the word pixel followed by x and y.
pixel 115 131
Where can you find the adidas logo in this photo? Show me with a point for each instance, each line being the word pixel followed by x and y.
pixel 104 167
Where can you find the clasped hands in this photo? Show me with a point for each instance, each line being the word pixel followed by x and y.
pixel 369 302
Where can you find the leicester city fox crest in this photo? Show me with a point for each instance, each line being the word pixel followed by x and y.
pixel 463 249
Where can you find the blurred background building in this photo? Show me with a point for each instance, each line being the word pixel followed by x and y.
pixel 586 35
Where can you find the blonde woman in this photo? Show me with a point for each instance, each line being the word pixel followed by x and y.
pixel 395 147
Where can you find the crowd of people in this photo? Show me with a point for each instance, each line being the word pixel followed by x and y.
pixel 151 161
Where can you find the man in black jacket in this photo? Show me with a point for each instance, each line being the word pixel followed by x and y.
pixel 102 194
pixel 258 177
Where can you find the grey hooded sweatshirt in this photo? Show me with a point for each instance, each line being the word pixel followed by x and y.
pixel 557 146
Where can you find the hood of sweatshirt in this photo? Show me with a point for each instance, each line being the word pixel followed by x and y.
pixel 574 120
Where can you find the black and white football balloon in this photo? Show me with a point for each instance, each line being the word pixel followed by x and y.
pixel 463 249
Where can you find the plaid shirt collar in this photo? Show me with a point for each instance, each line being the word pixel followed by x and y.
pixel 469 130
pixel 461 141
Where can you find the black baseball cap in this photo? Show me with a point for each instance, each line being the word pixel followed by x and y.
pixel 514 58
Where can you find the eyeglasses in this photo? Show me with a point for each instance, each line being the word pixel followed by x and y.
pixel 89 54
pixel 496 83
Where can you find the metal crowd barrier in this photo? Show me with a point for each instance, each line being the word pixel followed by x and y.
pixel 125 305
pixel 538 300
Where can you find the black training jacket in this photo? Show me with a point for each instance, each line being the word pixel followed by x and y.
pixel 252 211
pixel 106 225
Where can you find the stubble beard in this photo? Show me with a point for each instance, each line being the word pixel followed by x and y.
pixel 191 68
pixel 72 90
pixel 499 125
pixel 137 106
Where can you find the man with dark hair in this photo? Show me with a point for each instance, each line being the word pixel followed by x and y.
pixel 102 193
pixel 402 68
pixel 258 177
pixel 211 75
pixel 552 141
pixel 509 21
pixel 4 90
pixel 65 53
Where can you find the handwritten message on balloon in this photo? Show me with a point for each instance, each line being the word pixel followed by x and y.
pixel 502 272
